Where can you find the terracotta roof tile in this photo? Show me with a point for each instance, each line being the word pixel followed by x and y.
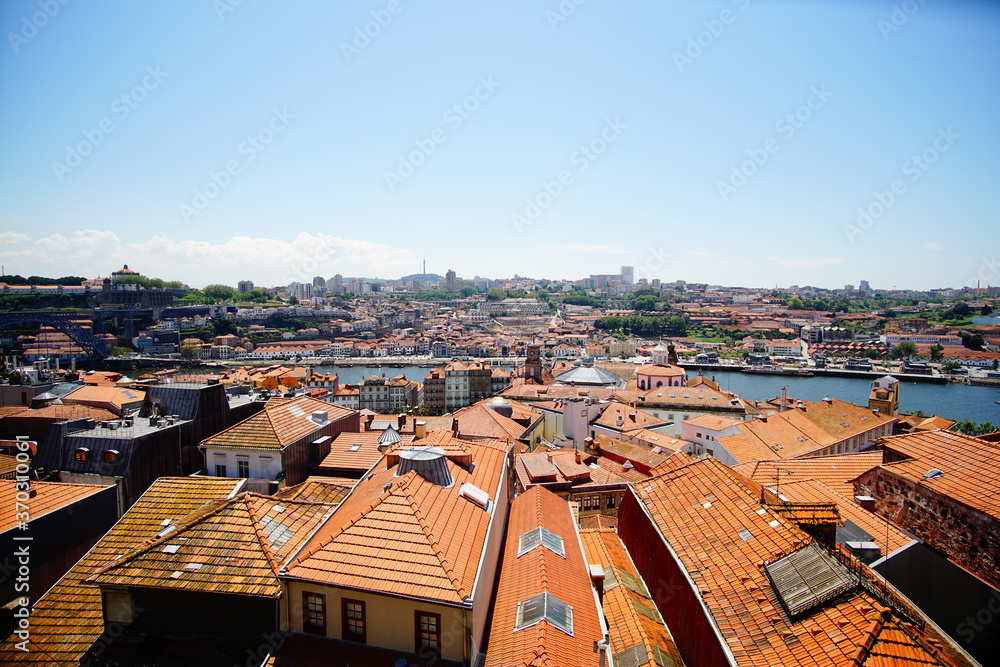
pixel 700 510
pixel 969 465
pixel 49 496
pixel 537 571
pixel 427 539
pixel 629 629
pixel 68 619
pixel 835 472
pixel 280 423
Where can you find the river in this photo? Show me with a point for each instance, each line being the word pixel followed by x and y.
pixel 953 401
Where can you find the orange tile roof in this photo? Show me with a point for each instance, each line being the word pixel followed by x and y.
pixel 632 418
pixel 631 452
pixel 63 412
pixel 884 533
pixel 49 496
pixel 538 571
pixel 969 466
pixel 836 472
pixel 425 538
pixel 796 432
pixel 279 424
pixel 231 546
pixel 103 395
pixel 329 490
pixel 355 451
pixel 700 509
pixel 625 594
pixel 657 370
pixel 68 619
pixel 481 421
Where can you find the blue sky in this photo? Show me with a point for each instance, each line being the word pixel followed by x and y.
pixel 748 142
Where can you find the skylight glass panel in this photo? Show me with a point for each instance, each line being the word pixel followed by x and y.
pixel 541 536
pixel 545 607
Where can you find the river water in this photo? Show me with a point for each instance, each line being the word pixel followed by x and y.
pixel 953 401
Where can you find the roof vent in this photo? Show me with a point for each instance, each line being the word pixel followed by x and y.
pixel 428 462
pixel 933 473
pixel 319 417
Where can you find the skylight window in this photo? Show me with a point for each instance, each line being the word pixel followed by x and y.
pixel 745 534
pixel 541 536
pixel 354 448
pixel 807 578
pixel 545 607
pixel 933 473
pixel 171 548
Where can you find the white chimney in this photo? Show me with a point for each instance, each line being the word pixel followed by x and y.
pixel 319 416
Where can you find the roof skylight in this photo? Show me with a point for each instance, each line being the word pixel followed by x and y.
pixel 541 536
pixel 545 607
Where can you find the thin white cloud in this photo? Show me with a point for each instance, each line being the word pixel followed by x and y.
pixel 933 245
pixel 267 261
pixel 9 237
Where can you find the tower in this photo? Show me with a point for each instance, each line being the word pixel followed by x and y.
pixel 533 363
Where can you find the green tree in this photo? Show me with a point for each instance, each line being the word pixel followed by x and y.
pixel 496 294
pixel 971 428
pixel 190 352
pixel 119 351
pixel 937 352
pixel 903 350
pixel 219 292
pixel 972 341
pixel 986 310
pixel 645 302
pixel 292 300
pixel 795 303
pixel 467 291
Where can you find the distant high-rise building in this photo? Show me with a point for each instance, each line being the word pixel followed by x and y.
pixel 244 286
pixel 864 286
pixel 319 281
pixel 338 283
pixel 450 280
pixel 628 274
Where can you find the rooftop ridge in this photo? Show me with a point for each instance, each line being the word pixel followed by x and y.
pixel 255 523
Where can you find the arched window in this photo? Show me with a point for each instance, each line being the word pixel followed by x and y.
pixel 111 456
pixel 80 454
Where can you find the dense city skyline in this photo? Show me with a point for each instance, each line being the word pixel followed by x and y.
pixel 732 143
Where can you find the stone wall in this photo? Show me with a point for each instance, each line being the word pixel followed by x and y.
pixel 966 536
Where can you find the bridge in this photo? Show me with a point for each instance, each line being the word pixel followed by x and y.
pixel 63 321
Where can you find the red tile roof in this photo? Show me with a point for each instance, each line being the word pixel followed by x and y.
pixel 68 619
pixel 537 571
pixel 425 539
pixel 969 464
pixel 700 510
pixel 49 496
pixel 279 424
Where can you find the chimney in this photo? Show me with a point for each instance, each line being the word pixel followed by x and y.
pixel 866 501
pixel 597 580
pixel 319 416
pixel 420 429
pixel 784 399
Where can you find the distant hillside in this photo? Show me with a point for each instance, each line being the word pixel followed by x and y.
pixel 424 278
